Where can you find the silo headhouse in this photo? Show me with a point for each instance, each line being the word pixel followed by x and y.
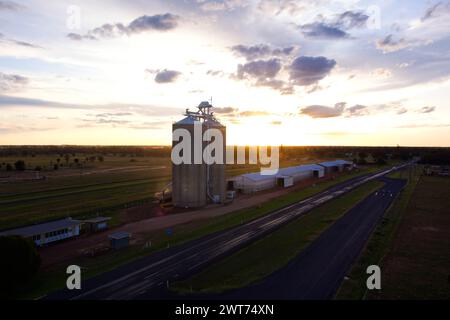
pixel 201 180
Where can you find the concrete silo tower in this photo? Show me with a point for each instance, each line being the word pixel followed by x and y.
pixel 198 182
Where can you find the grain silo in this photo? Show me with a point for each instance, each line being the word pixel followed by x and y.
pixel 196 183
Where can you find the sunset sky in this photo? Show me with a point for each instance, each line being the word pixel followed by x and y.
pixel 311 72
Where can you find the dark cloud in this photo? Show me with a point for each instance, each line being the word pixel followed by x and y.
pixel 319 111
pixel 167 76
pixel 79 37
pixel 260 51
pixel 321 30
pixel 259 69
pixel 351 19
pixel 215 73
pixel 159 22
pixel 335 28
pixel 262 73
pixel 305 71
pixel 9 5
pixel 3 38
pixel 339 109
pixel 427 109
pixel 389 44
pixel 11 82
pixel 357 111
pixel 436 10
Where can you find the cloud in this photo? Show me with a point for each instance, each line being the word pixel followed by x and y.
pixel 221 5
pixel 388 44
pixel 305 71
pixel 225 110
pixel 260 51
pixel 357 111
pixel 262 73
pixel 437 10
pixel 276 123
pixel 402 111
pixel 143 109
pixel 158 22
pixel 339 109
pixel 319 111
pixel 321 30
pixel 12 82
pixel 382 73
pixel 113 114
pixel 167 76
pixel 259 69
pixel 9 5
pixel 18 42
pixel 215 73
pixel 336 27
pixel 427 109
pixel 351 19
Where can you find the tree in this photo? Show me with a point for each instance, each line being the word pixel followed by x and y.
pixel 20 165
pixel 9 167
pixel 19 264
pixel 100 158
pixel 55 167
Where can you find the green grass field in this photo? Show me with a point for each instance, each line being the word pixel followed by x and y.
pixel 275 250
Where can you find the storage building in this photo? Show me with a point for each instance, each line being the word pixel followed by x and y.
pixel 336 165
pixel 120 239
pixel 254 182
pixel 96 224
pixel 47 232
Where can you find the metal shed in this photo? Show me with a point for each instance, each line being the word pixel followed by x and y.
pixel 120 239
pixel 336 165
pixel 97 223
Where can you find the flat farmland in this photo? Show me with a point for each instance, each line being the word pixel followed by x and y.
pixel 82 187
pixel 107 186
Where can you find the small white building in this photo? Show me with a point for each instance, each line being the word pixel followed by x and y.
pixel 47 232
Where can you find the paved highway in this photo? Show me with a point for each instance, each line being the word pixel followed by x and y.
pixel 148 277
pixel 317 272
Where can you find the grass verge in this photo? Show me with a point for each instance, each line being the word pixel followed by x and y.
pixel 354 287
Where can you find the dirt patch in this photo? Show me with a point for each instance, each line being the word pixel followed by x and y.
pixel 418 265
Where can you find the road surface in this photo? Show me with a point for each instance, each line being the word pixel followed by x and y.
pixel 149 276
pixel 317 272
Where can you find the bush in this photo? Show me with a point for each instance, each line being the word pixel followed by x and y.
pixel 19 264
pixel 20 165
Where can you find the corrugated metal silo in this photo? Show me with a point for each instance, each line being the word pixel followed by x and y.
pixel 188 180
pixel 216 172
